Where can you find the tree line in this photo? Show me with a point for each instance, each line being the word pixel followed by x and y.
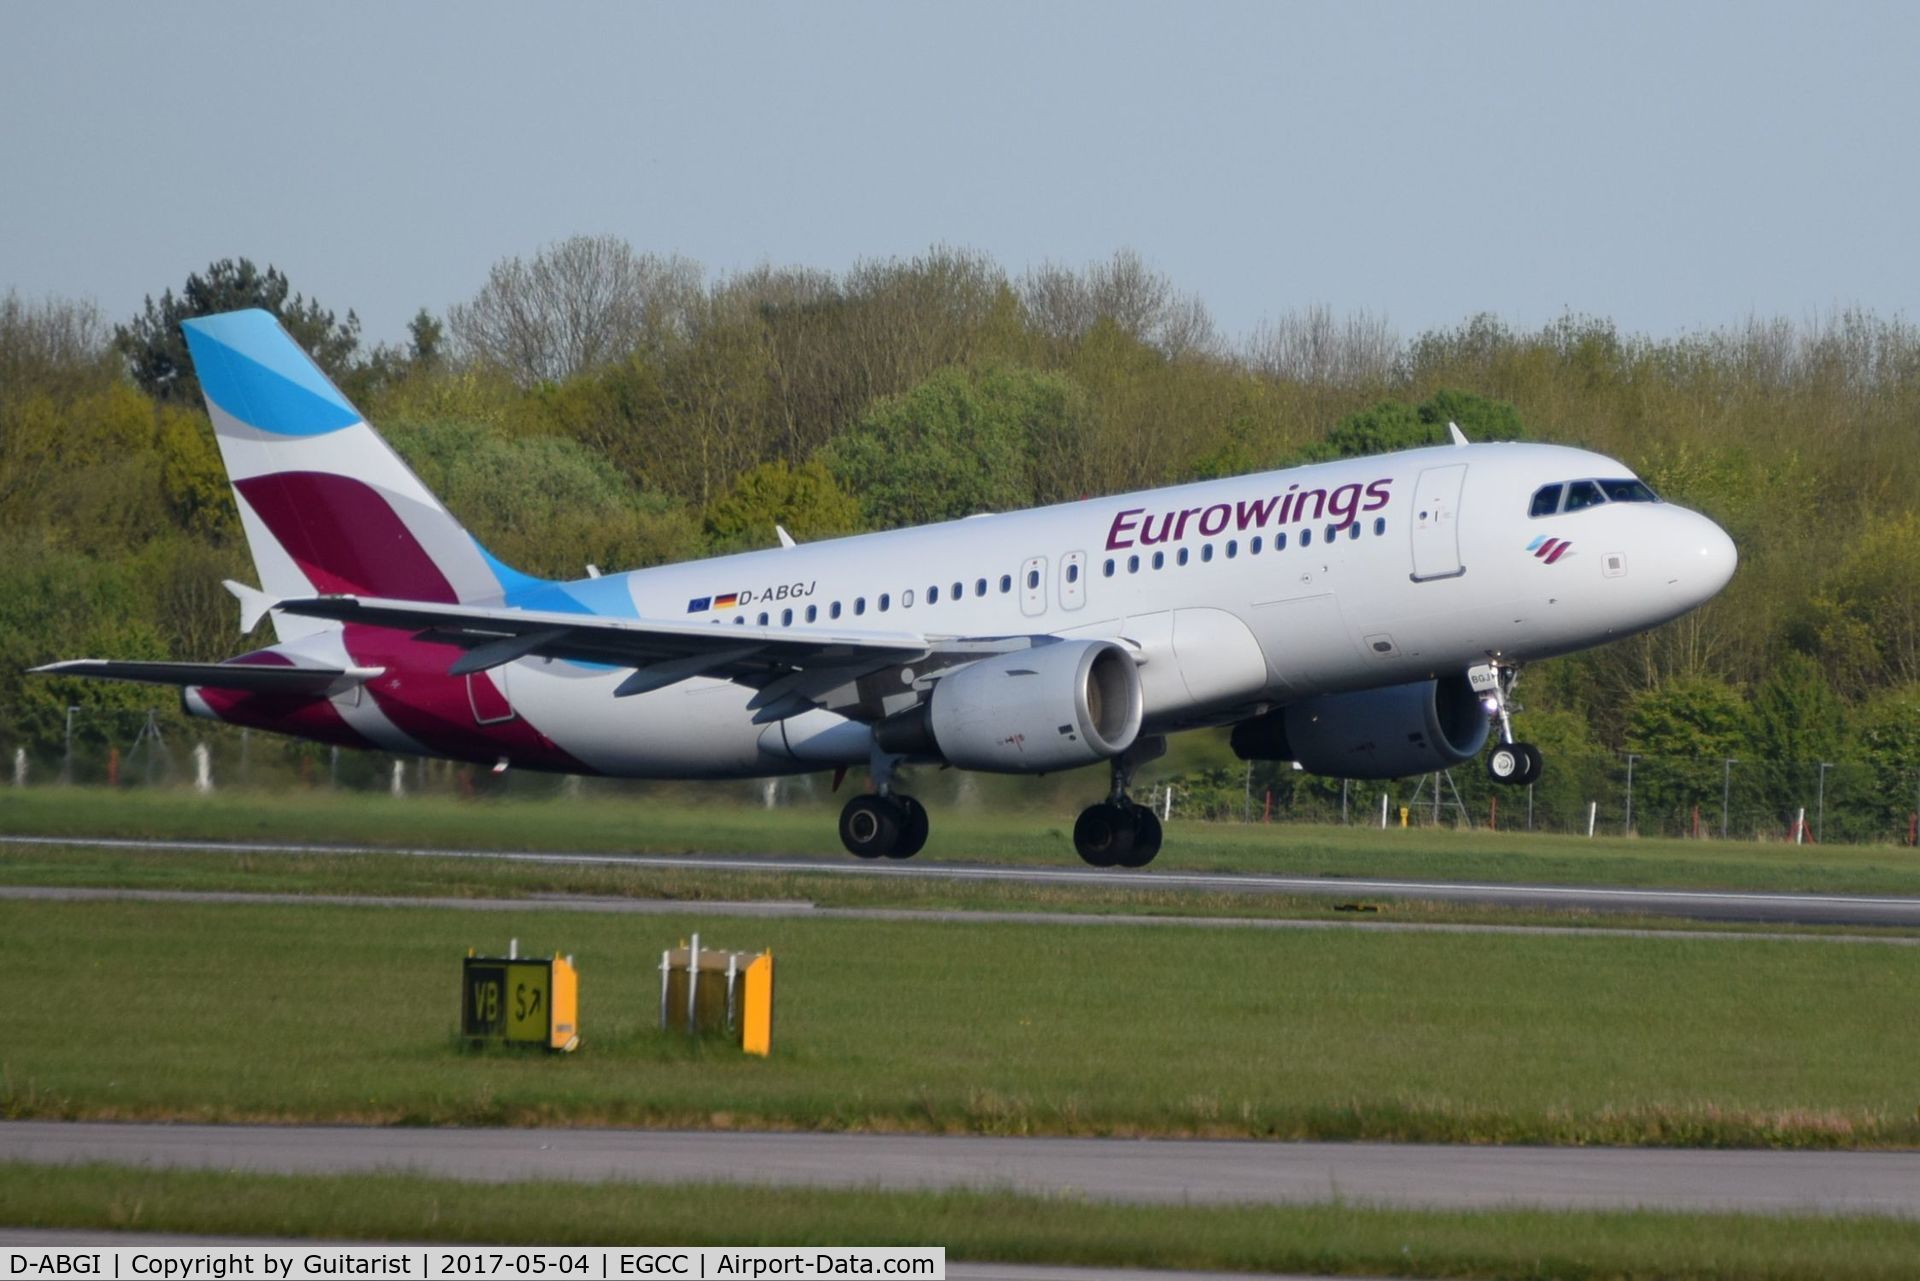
pixel 594 403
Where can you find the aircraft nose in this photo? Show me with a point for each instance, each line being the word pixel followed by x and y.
pixel 1708 559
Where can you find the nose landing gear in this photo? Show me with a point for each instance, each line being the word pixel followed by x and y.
pixel 1514 764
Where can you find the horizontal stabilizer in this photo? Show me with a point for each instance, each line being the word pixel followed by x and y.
pixel 254 603
pixel 252 678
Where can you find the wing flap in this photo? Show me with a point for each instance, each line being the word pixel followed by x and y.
pixel 621 642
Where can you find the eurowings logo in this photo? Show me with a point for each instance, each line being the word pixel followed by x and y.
pixel 1548 549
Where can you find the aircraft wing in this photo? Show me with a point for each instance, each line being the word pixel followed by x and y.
pixel 252 678
pixel 793 668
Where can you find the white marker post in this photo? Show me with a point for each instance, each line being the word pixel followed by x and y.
pixel 1593 816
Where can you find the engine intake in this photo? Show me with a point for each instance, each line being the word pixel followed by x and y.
pixel 1375 733
pixel 1030 712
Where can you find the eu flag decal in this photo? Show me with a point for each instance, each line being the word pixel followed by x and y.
pixel 699 604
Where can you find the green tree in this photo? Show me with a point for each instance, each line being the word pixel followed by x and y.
pixel 803 500
pixel 1888 735
pixel 156 349
pixel 1686 729
pixel 543 504
pixel 1867 615
pixel 1799 722
pixel 1394 424
pixel 961 442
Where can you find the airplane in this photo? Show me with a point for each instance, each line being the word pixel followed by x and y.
pixel 1364 618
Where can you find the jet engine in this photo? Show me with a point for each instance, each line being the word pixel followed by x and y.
pixel 1375 733
pixel 1029 712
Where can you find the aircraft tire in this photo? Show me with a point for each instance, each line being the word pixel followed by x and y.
pixel 1536 762
pixel 913 827
pixel 1508 763
pixel 870 826
pixel 1146 838
pixel 1103 834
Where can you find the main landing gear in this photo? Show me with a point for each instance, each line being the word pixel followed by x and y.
pixel 1511 763
pixel 1116 832
pixel 883 823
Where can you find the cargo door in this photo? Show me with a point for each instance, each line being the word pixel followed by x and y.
pixel 487 695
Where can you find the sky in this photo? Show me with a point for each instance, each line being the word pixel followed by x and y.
pixel 1673 167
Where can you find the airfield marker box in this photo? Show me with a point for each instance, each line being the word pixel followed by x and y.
pixel 521 1001
pixel 714 992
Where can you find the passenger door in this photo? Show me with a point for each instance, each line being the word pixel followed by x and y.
pixel 1436 523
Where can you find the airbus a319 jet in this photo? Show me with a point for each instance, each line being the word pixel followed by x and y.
pixel 1363 618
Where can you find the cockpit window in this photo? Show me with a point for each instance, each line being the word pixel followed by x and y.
pixel 1583 493
pixel 1546 501
pixel 1627 491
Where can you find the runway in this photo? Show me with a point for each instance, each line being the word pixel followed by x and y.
pixel 1163 1171
pixel 790 909
pixel 1700 905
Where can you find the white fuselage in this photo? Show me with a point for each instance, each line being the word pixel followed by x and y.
pixel 1408 566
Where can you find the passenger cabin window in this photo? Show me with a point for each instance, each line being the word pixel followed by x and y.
pixel 1006 583
pixel 1073 573
pixel 1582 494
pixel 859 605
pixel 979 587
pixel 906 599
pixel 1546 500
pixel 833 610
pixel 885 601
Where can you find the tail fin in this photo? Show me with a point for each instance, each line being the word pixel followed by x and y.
pixel 326 504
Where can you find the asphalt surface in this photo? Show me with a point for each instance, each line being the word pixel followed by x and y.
pixel 792 909
pixel 1166 1171
pixel 1701 905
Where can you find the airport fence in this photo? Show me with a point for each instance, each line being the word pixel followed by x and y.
pixel 1607 793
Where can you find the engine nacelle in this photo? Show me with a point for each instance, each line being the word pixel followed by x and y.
pixel 1047 708
pixel 1374 733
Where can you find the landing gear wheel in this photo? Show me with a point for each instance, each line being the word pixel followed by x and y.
pixel 913 827
pixel 1104 834
pixel 1146 838
pixel 870 826
pixel 1535 762
pixel 1515 764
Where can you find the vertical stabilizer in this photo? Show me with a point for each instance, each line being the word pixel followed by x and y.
pixel 327 506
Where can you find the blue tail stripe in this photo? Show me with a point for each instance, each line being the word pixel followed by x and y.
pixel 252 369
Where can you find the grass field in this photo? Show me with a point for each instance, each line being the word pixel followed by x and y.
pixel 609 824
pixel 1328 1239
pixel 347 1013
